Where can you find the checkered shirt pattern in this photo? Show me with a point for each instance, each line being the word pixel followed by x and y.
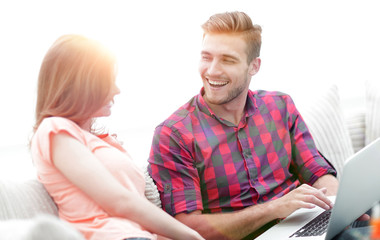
pixel 201 162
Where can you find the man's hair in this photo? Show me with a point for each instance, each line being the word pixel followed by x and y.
pixel 75 78
pixel 236 23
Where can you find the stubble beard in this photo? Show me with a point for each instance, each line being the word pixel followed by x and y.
pixel 231 95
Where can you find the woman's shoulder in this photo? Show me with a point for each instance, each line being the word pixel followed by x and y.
pixel 58 124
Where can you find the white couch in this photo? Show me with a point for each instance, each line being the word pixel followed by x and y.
pixel 28 212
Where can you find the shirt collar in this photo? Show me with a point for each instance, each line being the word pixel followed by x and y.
pixel 203 105
pixel 251 104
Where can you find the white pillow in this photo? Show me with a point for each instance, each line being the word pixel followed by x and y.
pixel 356 128
pixel 372 112
pixel 324 119
pixel 41 227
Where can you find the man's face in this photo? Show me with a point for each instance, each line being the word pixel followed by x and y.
pixel 224 69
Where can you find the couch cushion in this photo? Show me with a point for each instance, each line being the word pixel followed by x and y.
pixel 324 119
pixel 41 227
pixel 372 111
pixel 24 200
pixel 356 128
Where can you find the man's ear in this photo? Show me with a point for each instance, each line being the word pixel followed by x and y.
pixel 254 66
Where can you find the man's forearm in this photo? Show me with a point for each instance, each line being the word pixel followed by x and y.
pixel 237 225
pixel 234 225
pixel 328 181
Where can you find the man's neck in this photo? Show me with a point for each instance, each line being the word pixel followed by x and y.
pixel 232 111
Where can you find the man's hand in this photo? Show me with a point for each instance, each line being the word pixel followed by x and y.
pixel 304 196
pixel 331 183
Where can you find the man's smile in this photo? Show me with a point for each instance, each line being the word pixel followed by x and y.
pixel 214 83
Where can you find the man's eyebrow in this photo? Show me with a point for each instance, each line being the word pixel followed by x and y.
pixel 205 52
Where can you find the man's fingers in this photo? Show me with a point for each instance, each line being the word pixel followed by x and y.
pixel 316 196
pixel 305 196
pixel 364 217
pixel 325 199
pixel 324 190
pixel 317 201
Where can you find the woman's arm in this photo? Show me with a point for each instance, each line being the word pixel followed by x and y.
pixel 78 164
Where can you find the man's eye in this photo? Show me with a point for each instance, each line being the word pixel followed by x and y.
pixel 229 61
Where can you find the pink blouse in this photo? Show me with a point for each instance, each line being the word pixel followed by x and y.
pixel 74 206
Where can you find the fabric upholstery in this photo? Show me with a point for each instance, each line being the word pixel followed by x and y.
pixel 372 111
pixel 24 200
pixel 151 191
pixel 325 121
pixel 356 129
pixel 40 227
pixel 28 213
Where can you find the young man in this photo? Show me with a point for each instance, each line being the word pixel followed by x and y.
pixel 232 161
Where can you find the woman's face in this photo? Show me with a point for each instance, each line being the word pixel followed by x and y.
pixel 105 110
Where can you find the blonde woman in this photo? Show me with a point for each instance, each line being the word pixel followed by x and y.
pixel 90 177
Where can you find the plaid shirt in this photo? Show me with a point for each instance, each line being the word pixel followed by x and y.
pixel 201 162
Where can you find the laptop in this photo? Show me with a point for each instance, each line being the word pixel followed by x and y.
pixel 359 190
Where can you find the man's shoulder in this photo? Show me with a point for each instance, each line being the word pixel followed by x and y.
pixel 272 99
pixel 265 93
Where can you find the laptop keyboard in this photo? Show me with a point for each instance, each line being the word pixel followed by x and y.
pixel 315 227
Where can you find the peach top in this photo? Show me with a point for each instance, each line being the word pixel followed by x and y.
pixel 74 206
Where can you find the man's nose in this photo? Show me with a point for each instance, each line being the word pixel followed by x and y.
pixel 214 68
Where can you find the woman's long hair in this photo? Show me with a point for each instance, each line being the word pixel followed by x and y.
pixel 75 78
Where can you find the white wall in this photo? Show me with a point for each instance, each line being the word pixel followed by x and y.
pixel 307 45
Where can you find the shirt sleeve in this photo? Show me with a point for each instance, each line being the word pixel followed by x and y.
pixel 172 167
pixel 307 163
pixel 47 129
